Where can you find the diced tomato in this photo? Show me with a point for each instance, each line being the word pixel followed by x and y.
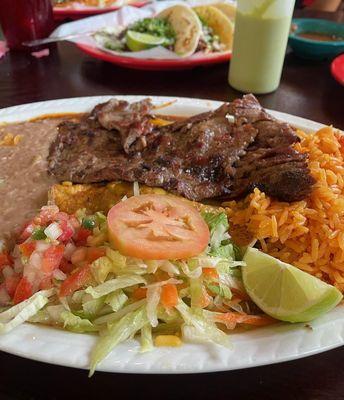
pixel 46 283
pixel 157 227
pixel 46 215
pixel 93 253
pixel 76 281
pixel 67 231
pixel 27 248
pixel 81 236
pixel 169 295
pixel 5 259
pixel 79 255
pixel 11 283
pixel 66 266
pixel 23 291
pixel 52 258
pixel 26 232
pixel 61 216
pixel 140 293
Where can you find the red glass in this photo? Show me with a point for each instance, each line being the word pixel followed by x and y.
pixel 24 20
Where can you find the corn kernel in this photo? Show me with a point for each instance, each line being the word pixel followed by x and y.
pixel 167 340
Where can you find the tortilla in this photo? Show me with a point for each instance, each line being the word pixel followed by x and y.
pixel 219 22
pixel 97 197
pixel 228 9
pixel 187 27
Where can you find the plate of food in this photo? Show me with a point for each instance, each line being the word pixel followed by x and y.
pixel 166 35
pixel 77 9
pixel 123 251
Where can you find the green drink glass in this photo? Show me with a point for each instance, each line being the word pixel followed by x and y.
pixel 260 41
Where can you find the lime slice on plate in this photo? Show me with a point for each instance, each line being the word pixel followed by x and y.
pixel 285 292
pixel 137 41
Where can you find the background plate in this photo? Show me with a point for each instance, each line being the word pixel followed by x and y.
pixel 61 13
pixel 259 347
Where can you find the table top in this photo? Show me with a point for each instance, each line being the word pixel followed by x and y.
pixel 307 89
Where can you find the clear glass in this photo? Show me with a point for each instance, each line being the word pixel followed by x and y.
pixel 260 41
pixel 24 20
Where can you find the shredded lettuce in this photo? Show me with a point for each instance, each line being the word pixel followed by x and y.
pixel 116 300
pixel 146 339
pixel 196 292
pixel 117 259
pixel 204 327
pixel 125 328
pixel 153 299
pixel 218 225
pixel 101 268
pixel 23 311
pixel 220 243
pixel 93 306
pixel 112 285
pixel 74 323
pixel 115 316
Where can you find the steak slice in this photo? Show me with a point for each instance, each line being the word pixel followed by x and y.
pixel 270 163
pixel 223 153
pixel 132 121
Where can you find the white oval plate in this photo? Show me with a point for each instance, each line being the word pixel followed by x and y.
pixel 259 347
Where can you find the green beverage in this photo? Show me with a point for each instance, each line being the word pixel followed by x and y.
pixel 260 40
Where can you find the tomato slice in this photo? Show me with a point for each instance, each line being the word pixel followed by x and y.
pixel 157 227
pixel 75 281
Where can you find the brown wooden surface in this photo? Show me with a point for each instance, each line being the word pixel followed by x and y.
pixel 307 90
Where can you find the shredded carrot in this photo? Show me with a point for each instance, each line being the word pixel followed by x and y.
pixel 231 319
pixel 169 295
pixel 240 294
pixel 140 293
pixel 210 273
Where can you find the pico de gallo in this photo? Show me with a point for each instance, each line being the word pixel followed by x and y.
pixel 154 266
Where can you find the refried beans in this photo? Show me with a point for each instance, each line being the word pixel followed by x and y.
pixel 24 181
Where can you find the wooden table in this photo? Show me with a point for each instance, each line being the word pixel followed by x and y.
pixel 307 90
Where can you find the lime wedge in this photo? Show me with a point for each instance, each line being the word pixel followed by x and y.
pixel 137 41
pixel 285 292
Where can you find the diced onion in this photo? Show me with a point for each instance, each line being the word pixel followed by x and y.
pixel 53 231
pixel 69 250
pixel 7 271
pixel 42 246
pixel 4 297
pixel 59 275
pixel 18 266
pixel 136 189
pixel 171 281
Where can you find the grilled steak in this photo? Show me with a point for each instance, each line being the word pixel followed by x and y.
pixel 223 153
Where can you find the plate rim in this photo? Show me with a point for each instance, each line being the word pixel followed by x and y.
pixel 9 342
pixel 151 63
pixel 68 11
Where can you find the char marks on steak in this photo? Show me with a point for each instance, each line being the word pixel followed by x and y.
pixel 223 153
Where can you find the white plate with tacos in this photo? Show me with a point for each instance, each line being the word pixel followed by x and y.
pixel 82 273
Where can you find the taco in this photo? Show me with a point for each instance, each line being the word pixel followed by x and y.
pixel 187 28
pixel 228 9
pixel 217 28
